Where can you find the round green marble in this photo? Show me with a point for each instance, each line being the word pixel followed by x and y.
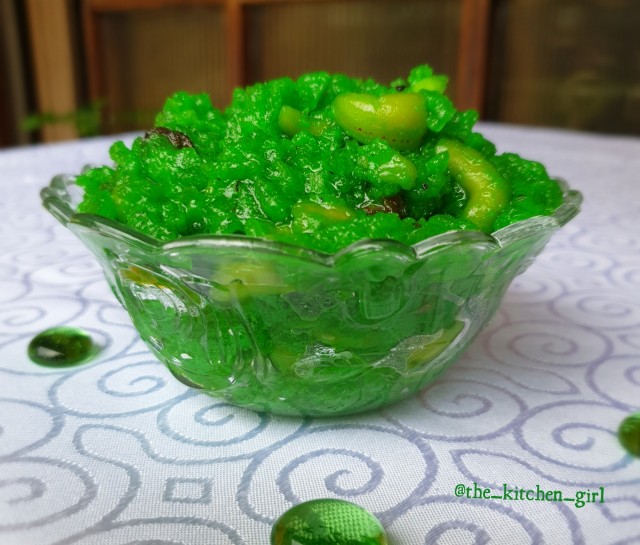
pixel 629 434
pixel 328 522
pixel 61 347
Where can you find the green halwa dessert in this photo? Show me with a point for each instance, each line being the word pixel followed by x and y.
pixel 320 162
pixel 389 185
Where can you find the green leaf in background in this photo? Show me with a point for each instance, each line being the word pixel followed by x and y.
pixel 87 119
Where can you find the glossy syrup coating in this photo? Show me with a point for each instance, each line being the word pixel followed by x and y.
pixel 314 162
pixel 328 522
pixel 61 347
pixel 361 321
pixel 629 434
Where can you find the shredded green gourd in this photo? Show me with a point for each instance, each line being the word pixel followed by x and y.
pixel 320 162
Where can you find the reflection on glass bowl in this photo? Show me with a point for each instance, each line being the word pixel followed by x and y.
pixel 287 330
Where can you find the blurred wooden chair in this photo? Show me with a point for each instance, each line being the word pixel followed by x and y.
pixel 562 63
pixel 246 40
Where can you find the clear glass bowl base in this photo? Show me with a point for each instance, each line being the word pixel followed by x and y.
pixel 286 330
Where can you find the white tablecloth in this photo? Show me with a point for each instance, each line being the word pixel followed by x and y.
pixel 118 452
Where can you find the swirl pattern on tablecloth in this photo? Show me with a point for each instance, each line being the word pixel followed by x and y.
pixel 458 410
pixel 131 387
pixel 439 520
pixel 626 275
pixel 15 438
pixel 601 309
pixel 530 290
pixel 214 430
pixel 58 489
pixel 617 380
pixel 123 522
pixel 527 377
pixel 336 464
pixel 573 434
pixel 631 340
pixel 608 240
pixel 548 344
pixel 61 274
pixel 618 514
pixel 621 509
pixel 154 531
pixel 31 315
pixel 575 262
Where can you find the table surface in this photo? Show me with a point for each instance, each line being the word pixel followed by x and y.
pixel 118 452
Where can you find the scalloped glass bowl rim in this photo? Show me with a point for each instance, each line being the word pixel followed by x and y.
pixel 53 199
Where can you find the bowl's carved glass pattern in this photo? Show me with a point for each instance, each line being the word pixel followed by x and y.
pixel 282 329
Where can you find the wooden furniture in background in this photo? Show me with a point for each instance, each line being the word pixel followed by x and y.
pixel 230 43
pixel 16 95
pixel 473 54
pixel 563 63
pixel 6 129
pixel 362 38
pixel 55 63
pixel 14 90
pixel 140 52
pixel 566 63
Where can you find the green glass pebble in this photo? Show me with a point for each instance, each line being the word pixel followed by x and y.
pixel 328 522
pixel 629 434
pixel 61 347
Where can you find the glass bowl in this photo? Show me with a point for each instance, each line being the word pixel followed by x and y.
pixel 286 330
